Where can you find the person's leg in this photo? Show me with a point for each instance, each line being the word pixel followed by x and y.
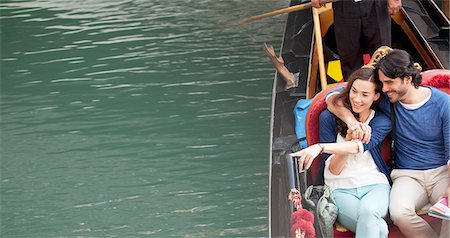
pixel 407 195
pixel 437 181
pixel 347 27
pixel 348 206
pixel 278 63
pixel 376 25
pixel 445 229
pixel 373 208
pixel 446 8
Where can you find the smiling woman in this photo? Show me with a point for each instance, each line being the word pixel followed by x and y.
pixel 353 167
pixel 362 96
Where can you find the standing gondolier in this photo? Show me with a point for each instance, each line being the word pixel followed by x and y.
pixel 361 26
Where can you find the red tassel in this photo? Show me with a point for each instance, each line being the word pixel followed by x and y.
pixel 301 220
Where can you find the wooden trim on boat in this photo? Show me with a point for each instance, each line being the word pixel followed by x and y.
pixel 422 47
pixel 313 75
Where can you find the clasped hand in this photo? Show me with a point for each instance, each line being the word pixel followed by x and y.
pixel 360 131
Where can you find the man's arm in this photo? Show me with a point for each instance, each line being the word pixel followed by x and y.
pixel 448 188
pixel 317 3
pixel 446 134
pixel 394 6
pixel 381 125
pixel 339 110
pixel 446 126
pixel 358 130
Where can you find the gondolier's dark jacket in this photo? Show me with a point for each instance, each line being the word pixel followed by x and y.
pixel 381 126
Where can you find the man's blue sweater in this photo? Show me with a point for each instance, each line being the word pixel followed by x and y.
pixel 422 135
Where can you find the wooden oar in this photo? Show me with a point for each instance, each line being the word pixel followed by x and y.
pixel 280 11
pixel 318 38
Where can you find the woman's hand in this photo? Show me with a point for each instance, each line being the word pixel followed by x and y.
pixel 359 131
pixel 307 156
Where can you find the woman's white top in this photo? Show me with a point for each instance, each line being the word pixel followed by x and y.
pixel 359 170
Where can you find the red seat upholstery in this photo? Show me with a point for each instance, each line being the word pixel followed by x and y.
pixel 438 78
pixel 317 105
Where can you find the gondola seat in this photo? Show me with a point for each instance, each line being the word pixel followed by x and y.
pixel 437 78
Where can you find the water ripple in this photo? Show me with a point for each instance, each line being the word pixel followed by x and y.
pixel 129 118
pixel 118 200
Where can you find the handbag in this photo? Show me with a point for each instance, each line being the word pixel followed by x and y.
pixel 319 201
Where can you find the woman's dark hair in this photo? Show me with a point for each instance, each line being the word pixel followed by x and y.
pixel 399 64
pixel 366 74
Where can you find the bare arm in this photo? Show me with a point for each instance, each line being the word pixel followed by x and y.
pixel 340 111
pixel 308 155
pixel 358 130
pixel 338 161
pixel 337 164
pixel 278 62
pixel 341 148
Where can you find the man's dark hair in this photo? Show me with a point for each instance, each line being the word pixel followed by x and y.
pixel 399 64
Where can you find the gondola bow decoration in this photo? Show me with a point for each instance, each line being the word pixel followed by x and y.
pixel 302 221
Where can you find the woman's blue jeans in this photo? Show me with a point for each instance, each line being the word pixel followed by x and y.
pixel 362 209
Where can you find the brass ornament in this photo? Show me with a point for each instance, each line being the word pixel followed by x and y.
pixel 377 56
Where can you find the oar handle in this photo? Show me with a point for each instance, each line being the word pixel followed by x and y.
pixel 280 11
pixel 318 38
pixel 277 12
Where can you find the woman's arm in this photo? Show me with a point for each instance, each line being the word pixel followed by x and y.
pixel 381 125
pixel 337 164
pixel 307 155
pixel 341 148
pixel 338 161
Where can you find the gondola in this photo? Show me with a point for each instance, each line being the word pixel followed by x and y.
pixel 420 28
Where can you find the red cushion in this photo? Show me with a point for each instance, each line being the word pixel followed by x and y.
pixel 438 78
pixel 317 105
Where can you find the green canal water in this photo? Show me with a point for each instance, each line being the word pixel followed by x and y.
pixel 135 118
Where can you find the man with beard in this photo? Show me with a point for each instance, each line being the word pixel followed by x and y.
pixel 421 171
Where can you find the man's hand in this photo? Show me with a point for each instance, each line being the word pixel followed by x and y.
pixel 394 6
pixel 447 192
pixel 317 3
pixel 359 131
pixel 307 156
pixel 446 195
